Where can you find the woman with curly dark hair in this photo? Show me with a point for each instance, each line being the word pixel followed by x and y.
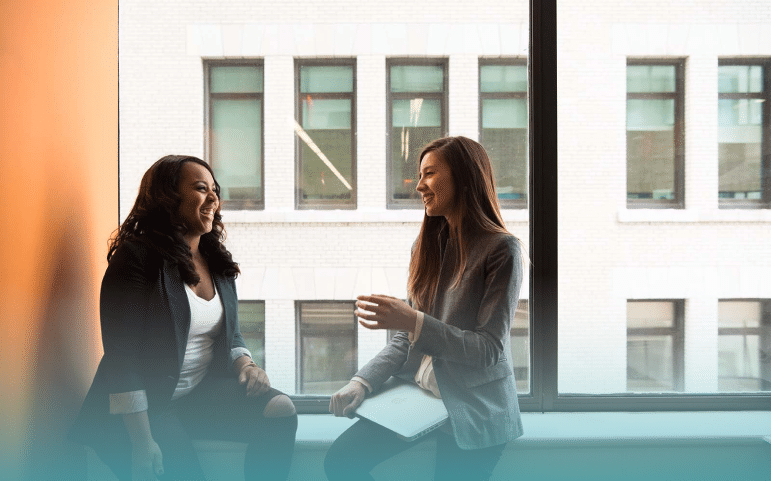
pixel 175 366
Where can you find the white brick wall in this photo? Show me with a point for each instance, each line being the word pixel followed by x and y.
pixel 608 254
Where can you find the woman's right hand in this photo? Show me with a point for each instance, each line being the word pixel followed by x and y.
pixel 146 461
pixel 345 401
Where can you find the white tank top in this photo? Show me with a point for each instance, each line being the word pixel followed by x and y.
pixel 206 318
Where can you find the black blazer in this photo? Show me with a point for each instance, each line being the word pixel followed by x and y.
pixel 145 319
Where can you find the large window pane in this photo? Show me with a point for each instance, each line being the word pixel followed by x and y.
pixel 235 132
pixel 327 349
pixel 661 124
pixel 325 130
pixel 417 99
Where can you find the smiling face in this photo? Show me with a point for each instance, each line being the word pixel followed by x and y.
pixel 199 199
pixel 436 186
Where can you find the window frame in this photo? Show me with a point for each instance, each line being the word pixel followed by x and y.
pixel 679 132
pixel 324 204
pixel 543 236
pixel 444 97
pixel 765 323
pixel 263 362
pixel 505 61
pixel 317 399
pixel 765 149
pixel 252 204
pixel 677 331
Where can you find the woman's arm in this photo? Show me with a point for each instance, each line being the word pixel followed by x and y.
pixel 146 457
pixel 484 346
pixel 123 314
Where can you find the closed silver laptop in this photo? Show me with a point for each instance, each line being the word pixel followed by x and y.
pixel 404 408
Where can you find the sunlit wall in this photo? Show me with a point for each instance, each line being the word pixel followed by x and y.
pixel 58 204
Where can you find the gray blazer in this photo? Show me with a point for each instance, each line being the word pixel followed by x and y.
pixel 467 334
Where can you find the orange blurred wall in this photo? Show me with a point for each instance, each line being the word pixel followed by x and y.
pixel 58 206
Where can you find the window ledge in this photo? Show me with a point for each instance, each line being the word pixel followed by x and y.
pixel 275 216
pixel 693 215
pixel 581 429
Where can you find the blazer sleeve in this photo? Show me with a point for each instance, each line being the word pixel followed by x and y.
pixel 123 312
pixel 388 361
pixel 484 346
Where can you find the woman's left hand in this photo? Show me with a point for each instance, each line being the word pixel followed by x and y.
pixel 255 379
pixel 387 313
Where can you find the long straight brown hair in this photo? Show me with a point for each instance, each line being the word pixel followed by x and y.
pixel 475 210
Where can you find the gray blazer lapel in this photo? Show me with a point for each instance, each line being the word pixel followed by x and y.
pixel 228 298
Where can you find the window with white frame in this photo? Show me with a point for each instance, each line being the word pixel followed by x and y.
pixel 503 123
pixel 654 346
pixel 417 114
pixel 744 147
pixel 654 133
pixel 235 131
pixel 326 346
pixel 744 345
pixel 325 131
pixel 251 318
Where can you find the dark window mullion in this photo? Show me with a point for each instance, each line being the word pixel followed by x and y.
pixel 542 198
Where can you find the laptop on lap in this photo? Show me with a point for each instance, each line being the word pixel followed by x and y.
pixel 404 408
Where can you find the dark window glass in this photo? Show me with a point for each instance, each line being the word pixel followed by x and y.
pixel 235 132
pixel 325 131
pixel 327 347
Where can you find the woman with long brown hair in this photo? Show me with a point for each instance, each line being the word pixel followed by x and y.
pixel 175 365
pixel 464 280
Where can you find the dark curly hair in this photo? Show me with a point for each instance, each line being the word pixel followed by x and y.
pixel 154 221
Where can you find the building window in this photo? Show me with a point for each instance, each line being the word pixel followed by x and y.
pixel 520 347
pixel 744 345
pixel 654 133
pixel 503 119
pixel 654 346
pixel 417 114
pixel 325 128
pixel 744 151
pixel 251 318
pixel 327 357
pixel 235 131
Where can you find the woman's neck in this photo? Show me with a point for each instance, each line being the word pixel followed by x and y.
pixel 193 242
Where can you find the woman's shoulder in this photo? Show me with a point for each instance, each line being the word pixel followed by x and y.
pixel 135 252
pixel 499 242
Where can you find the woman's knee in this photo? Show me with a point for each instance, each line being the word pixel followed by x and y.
pixel 279 406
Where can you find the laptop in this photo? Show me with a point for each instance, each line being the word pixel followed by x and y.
pixel 404 408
